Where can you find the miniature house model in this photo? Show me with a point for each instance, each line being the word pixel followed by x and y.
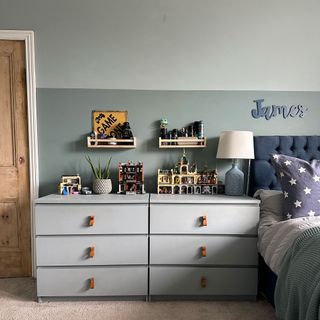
pixel 69 185
pixel 181 180
pixel 131 178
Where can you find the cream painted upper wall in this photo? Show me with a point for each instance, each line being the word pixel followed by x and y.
pixel 172 44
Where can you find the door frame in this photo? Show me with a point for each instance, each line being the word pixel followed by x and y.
pixel 28 38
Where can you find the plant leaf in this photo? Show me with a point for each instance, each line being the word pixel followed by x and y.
pixel 107 169
pixel 92 166
pixel 100 172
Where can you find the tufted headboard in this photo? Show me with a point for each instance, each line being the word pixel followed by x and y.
pixel 262 174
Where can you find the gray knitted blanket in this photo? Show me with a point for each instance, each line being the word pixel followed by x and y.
pixel 297 294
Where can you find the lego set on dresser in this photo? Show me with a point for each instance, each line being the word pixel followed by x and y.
pixel 111 129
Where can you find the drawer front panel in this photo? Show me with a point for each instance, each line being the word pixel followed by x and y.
pixel 105 219
pixel 108 281
pixel 91 250
pixel 203 281
pixel 220 219
pixel 204 250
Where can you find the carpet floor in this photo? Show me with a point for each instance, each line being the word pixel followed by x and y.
pixel 18 302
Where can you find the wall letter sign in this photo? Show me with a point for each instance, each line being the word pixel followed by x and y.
pixel 268 112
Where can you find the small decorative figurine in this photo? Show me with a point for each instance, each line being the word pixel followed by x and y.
pixel 181 180
pixel 131 178
pixel 86 191
pixel 93 135
pixel 163 128
pixel 70 185
pixel 126 131
pixel 112 139
pixel 102 136
pixel 163 123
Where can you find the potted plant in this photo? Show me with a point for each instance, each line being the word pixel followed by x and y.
pixel 101 184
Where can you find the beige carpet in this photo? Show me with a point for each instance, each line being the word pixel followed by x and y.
pixel 18 302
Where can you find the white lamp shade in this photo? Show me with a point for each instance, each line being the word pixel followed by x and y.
pixel 235 145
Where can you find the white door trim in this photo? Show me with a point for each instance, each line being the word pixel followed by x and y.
pixel 28 38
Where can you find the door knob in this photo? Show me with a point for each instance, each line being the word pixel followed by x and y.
pixel 203 282
pixel 91 221
pixel 91 252
pixel 203 221
pixel 203 251
pixel 21 160
pixel 91 283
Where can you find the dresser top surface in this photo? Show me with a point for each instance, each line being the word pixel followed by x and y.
pixel 144 199
pixel 197 199
pixel 95 198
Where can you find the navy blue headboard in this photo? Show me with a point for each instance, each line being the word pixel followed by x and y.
pixel 262 173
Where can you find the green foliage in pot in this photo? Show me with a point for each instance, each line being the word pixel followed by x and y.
pixel 99 171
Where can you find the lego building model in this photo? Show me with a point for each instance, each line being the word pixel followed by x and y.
pixel 131 178
pixel 182 180
pixel 70 185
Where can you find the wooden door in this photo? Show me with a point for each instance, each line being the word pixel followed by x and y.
pixel 15 238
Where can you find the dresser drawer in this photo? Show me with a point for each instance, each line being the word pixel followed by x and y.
pixel 108 281
pixel 203 281
pixel 203 250
pixel 91 250
pixel 105 219
pixel 220 219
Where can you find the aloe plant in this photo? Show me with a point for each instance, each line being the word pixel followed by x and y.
pixel 100 172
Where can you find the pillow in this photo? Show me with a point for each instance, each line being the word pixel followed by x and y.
pixel 271 201
pixel 300 182
pixel 270 206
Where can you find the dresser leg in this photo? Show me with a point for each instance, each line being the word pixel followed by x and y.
pixel 40 300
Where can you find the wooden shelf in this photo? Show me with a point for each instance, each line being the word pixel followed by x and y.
pixel 183 143
pixel 112 143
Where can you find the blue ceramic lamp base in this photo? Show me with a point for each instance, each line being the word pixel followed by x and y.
pixel 234 181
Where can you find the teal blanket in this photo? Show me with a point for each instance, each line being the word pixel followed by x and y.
pixel 297 294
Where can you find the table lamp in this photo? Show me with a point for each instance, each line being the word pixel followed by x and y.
pixel 235 145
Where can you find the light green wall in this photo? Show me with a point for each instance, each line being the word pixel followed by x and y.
pixel 172 44
pixel 64 120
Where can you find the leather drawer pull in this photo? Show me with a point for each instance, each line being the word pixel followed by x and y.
pixel 91 252
pixel 203 221
pixel 203 282
pixel 203 251
pixel 91 221
pixel 91 285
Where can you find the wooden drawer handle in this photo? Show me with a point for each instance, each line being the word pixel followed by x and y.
pixel 91 252
pixel 203 251
pixel 203 282
pixel 203 221
pixel 91 221
pixel 91 285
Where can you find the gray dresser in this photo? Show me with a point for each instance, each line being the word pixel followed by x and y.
pixel 203 246
pixel 128 245
pixel 92 246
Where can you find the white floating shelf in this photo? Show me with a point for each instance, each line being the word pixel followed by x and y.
pixel 183 142
pixel 112 143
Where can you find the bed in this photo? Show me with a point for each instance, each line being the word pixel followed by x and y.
pixel 263 177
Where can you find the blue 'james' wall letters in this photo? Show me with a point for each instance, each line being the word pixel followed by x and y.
pixel 269 112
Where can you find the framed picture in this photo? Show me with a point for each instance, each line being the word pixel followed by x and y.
pixel 109 122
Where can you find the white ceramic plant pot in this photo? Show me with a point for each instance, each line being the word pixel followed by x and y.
pixel 102 186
